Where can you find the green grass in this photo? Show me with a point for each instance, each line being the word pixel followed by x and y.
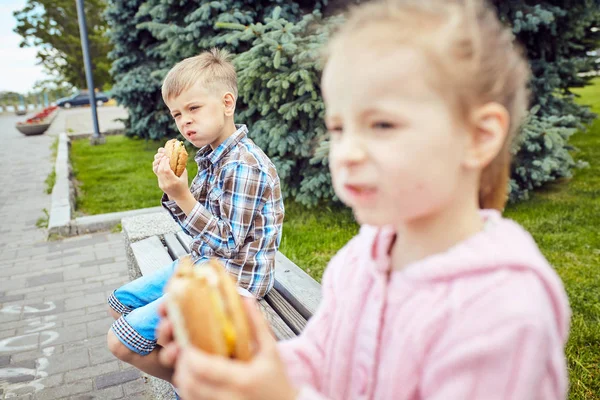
pixel 312 236
pixel 564 219
pixel 51 178
pixel 117 176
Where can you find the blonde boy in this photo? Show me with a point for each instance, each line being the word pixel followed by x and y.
pixel 233 209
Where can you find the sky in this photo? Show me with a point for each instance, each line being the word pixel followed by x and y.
pixel 18 66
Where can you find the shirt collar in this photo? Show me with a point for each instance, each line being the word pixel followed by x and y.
pixel 206 154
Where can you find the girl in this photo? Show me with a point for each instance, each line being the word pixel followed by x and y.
pixel 438 296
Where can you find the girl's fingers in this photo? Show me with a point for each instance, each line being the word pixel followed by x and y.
pixel 164 332
pixel 162 309
pixel 259 325
pixel 207 368
pixel 168 355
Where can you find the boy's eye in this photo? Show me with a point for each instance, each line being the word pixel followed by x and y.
pixel 192 108
pixel 176 115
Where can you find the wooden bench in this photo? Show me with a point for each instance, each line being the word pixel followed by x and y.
pixel 155 240
pixel 287 307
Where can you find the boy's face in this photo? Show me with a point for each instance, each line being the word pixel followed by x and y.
pixel 200 115
pixel 396 150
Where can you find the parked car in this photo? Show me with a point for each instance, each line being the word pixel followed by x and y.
pixel 20 110
pixel 81 99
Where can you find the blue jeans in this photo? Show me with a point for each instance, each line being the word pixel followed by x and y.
pixel 137 302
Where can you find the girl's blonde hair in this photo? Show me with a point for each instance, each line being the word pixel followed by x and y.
pixel 474 57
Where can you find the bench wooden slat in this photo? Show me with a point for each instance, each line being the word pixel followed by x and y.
pixel 296 286
pixel 279 327
pixel 288 314
pixel 175 248
pixel 185 240
pixel 150 254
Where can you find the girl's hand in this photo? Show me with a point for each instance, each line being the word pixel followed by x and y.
pixel 199 375
pixel 175 187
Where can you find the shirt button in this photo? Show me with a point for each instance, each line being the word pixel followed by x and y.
pixel 172 208
pixel 195 253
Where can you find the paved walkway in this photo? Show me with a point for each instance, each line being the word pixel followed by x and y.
pixel 53 318
pixel 79 120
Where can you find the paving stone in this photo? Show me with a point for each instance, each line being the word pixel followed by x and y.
pixel 85 301
pixel 4 360
pixel 86 318
pixel 45 279
pixel 100 261
pixel 99 327
pixel 91 372
pixel 26 355
pixel 114 392
pixel 100 354
pixel 69 334
pixel 86 343
pixel 99 307
pixel 103 277
pixel 133 387
pixel 53 380
pixel 14 297
pixel 68 361
pixel 65 390
pixel 62 255
pixel 116 378
pixel 82 272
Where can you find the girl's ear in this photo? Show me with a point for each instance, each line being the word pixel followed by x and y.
pixel 229 103
pixel 490 124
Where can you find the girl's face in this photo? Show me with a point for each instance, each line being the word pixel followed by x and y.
pixel 396 148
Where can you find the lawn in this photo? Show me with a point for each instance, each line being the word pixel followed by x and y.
pixel 564 219
pixel 117 176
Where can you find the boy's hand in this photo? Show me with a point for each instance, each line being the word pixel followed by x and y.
pixel 199 375
pixel 175 187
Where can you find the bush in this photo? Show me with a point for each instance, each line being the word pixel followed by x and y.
pixel 276 46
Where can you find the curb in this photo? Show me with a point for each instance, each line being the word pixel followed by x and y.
pixel 63 201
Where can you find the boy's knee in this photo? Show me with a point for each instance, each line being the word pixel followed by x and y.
pixel 113 313
pixel 118 349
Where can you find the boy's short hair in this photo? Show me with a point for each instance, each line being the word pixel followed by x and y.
pixel 212 67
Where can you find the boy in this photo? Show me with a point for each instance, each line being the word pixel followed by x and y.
pixel 233 209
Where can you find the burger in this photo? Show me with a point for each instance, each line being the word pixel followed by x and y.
pixel 206 310
pixel 175 150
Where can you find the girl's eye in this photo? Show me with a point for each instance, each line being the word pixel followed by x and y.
pixel 335 130
pixel 383 125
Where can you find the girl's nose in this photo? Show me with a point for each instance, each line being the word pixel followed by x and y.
pixel 349 149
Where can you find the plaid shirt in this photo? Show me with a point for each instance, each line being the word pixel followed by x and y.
pixel 239 214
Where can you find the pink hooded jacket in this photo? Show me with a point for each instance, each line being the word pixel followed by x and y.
pixel 487 319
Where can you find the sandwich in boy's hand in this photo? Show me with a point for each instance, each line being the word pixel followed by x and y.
pixel 175 150
pixel 206 310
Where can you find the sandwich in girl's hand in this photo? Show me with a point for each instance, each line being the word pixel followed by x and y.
pixel 206 310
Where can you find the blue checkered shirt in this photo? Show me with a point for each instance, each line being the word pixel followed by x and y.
pixel 239 214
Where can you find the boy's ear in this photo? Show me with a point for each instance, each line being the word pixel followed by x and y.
pixel 229 103
pixel 490 124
